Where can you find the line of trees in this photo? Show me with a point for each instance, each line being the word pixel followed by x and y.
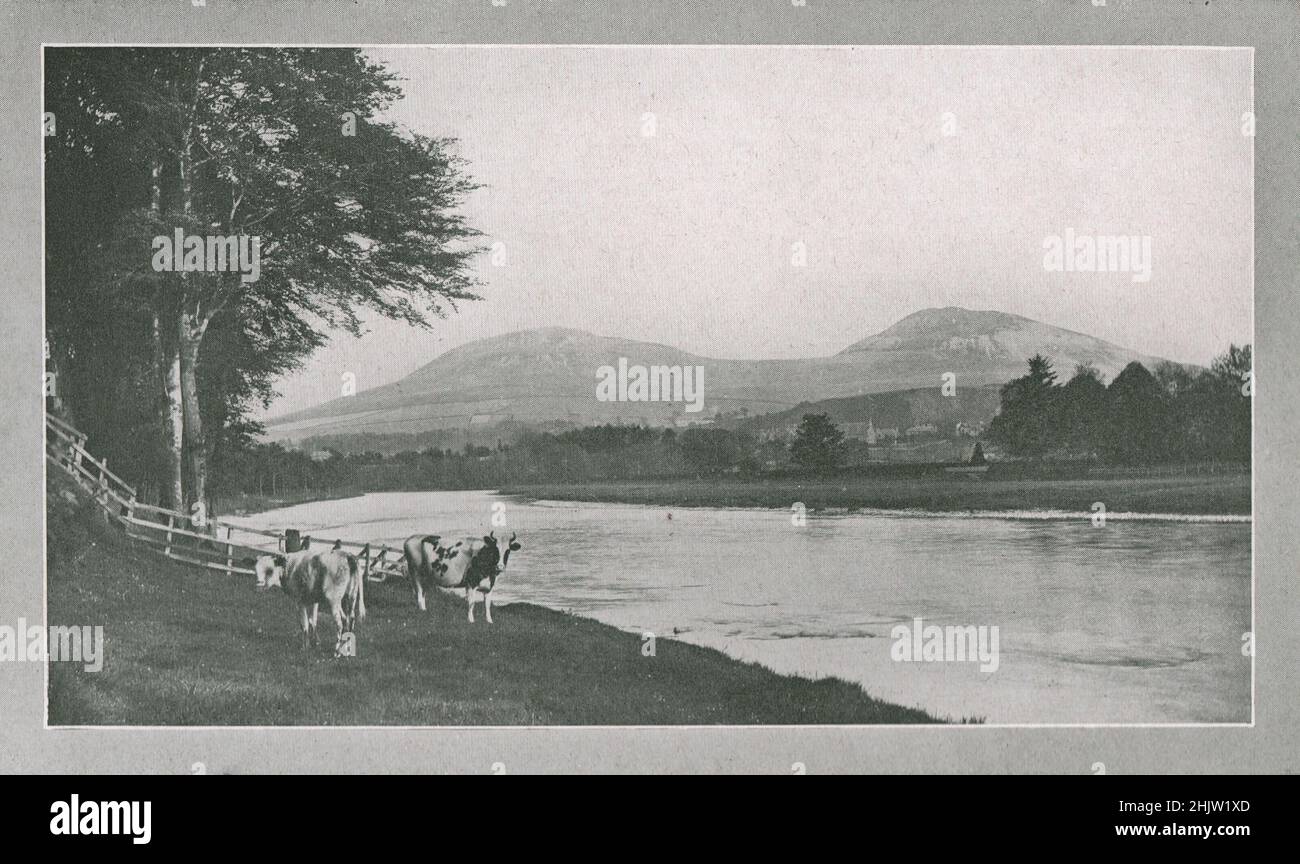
pixel 603 452
pixel 352 213
pixel 1173 413
pixel 606 452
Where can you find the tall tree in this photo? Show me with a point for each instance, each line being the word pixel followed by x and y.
pixel 287 146
pixel 98 303
pixel 1026 423
pixel 818 443
pixel 1233 383
pixel 1082 410
pixel 1137 427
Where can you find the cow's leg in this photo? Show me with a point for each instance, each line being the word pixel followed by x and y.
pixel 315 633
pixel 487 606
pixel 419 593
pixel 469 603
pixel 304 623
pixel 348 607
pixel 336 609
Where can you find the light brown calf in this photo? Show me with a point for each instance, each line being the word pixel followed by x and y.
pixel 312 578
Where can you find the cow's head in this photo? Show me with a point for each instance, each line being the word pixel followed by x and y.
pixel 512 546
pixel 488 556
pixel 270 571
pixel 492 550
pixel 487 563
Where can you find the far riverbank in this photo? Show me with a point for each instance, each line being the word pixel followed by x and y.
pixel 1218 494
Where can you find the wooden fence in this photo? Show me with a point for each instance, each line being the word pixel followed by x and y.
pixel 213 543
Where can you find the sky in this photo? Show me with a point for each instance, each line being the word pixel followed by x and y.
pixel 778 201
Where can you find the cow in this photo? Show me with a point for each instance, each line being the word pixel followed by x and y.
pixel 311 577
pixel 471 564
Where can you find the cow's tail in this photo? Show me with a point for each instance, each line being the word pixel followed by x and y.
pixel 359 605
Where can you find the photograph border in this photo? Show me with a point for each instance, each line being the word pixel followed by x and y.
pixel 837 747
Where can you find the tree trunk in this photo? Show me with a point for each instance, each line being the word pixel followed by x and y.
pixel 170 365
pixel 190 330
pixel 167 365
pixel 191 337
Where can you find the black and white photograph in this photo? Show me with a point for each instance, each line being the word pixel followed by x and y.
pixel 416 388
pixel 647 385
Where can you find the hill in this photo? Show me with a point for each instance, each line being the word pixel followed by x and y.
pixel 547 377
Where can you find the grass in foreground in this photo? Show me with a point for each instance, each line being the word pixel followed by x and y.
pixel 187 647
pixel 1208 494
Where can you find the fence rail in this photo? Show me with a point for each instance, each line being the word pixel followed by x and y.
pixel 180 536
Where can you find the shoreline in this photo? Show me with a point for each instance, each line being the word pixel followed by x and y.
pixel 1010 515
pixel 1223 498
pixel 241 506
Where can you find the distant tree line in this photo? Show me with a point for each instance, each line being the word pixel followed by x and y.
pixel 603 452
pixel 1173 413
pixel 606 452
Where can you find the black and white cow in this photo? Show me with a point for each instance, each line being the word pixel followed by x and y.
pixel 472 564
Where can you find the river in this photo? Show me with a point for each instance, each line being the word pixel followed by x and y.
pixel 1138 621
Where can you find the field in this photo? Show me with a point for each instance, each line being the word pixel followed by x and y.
pixel 1192 494
pixel 187 647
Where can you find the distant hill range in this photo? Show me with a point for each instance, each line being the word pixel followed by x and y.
pixel 546 378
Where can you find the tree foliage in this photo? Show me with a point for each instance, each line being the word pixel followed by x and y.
pixel 353 214
pixel 818 443
pixel 1172 413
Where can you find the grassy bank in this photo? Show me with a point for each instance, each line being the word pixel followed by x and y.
pixel 1205 494
pixel 183 646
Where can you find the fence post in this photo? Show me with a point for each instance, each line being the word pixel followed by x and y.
pixel 129 522
pixel 171 523
pixel 230 554
pixel 103 485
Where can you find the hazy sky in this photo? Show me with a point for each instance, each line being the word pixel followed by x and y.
pixel 687 236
